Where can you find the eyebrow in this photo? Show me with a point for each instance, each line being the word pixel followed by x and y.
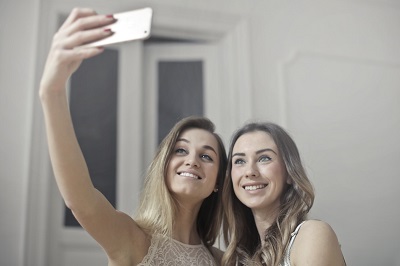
pixel 257 152
pixel 207 147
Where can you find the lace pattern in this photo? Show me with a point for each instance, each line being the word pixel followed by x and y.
pixel 168 251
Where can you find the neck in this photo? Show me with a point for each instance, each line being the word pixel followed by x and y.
pixel 264 220
pixel 185 228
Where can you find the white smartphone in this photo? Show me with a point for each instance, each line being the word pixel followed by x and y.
pixel 130 25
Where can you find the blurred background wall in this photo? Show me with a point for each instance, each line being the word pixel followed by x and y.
pixel 328 71
pixel 18 43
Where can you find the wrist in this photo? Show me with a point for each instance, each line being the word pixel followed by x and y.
pixel 50 94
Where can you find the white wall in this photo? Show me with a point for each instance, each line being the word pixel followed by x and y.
pixel 18 20
pixel 327 70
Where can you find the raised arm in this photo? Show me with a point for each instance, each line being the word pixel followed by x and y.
pixel 110 228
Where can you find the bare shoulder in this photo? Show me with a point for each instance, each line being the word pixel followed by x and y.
pixel 316 228
pixel 217 253
pixel 316 244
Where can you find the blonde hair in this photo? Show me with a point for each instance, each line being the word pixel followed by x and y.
pixel 158 208
pixel 241 236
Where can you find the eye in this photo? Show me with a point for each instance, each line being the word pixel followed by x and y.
pixel 239 161
pixel 206 157
pixel 264 158
pixel 180 151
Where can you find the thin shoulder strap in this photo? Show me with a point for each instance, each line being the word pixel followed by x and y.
pixel 294 234
pixel 286 256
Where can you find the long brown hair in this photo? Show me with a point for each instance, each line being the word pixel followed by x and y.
pixel 158 208
pixel 241 236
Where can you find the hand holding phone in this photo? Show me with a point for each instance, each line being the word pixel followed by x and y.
pixel 129 26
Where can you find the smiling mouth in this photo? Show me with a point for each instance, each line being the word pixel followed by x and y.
pixel 189 175
pixel 250 188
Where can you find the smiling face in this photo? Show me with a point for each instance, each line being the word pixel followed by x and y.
pixel 193 167
pixel 258 173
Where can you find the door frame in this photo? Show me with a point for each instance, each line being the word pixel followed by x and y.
pixel 229 32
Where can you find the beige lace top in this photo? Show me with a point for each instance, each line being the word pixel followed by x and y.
pixel 168 251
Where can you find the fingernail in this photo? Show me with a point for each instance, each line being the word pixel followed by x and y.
pixel 110 16
pixel 108 30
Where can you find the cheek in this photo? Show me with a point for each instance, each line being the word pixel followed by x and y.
pixel 211 171
pixel 169 173
pixel 168 170
pixel 235 178
pixel 279 174
pixel 217 167
pixel 235 174
pixel 214 168
pixel 215 171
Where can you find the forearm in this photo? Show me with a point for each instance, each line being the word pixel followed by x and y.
pixel 69 166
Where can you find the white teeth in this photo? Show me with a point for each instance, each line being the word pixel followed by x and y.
pixel 189 175
pixel 254 187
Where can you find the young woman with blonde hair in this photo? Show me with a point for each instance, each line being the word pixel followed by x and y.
pixel 180 211
pixel 267 196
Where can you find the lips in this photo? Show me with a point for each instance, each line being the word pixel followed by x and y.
pixel 187 174
pixel 254 187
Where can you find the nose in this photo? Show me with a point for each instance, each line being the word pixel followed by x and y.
pixel 191 160
pixel 251 171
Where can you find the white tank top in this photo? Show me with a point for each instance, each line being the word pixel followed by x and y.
pixel 168 251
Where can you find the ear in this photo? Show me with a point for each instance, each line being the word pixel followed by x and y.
pixel 216 189
pixel 289 180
